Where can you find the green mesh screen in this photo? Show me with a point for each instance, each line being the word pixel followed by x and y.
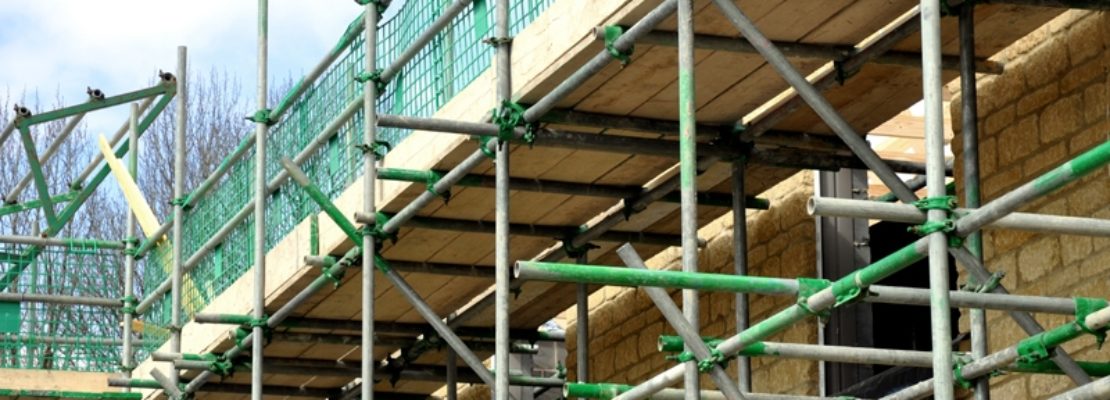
pixel 59 336
pixel 443 68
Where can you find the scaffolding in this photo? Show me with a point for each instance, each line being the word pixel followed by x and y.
pixel 384 79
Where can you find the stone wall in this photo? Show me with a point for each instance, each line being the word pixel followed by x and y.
pixel 1050 105
pixel 624 324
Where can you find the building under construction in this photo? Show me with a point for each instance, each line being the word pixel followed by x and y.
pixel 868 199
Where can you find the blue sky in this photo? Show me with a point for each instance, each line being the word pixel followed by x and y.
pixel 118 45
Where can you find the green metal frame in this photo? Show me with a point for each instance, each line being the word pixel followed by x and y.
pixel 161 88
pixel 65 394
pixel 36 171
pixel 33 204
pixel 85 190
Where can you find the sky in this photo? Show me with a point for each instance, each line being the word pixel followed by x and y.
pixel 117 46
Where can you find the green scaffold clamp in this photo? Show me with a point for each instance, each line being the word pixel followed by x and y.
pixel 572 250
pixel 379 5
pixel 379 148
pixel 129 303
pixel 244 331
pixel 335 277
pixel 611 33
pixel 372 76
pixel 261 117
pixel 1085 306
pixel 986 287
pixel 808 287
pixel 219 364
pixel 508 117
pixel 430 185
pixel 377 232
pixel 715 358
pixel 948 225
pixel 132 250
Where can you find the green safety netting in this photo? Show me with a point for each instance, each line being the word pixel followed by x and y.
pixel 443 68
pixel 60 336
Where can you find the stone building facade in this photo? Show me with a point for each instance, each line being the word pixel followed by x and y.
pixel 1052 102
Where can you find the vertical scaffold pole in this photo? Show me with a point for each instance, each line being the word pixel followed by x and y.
pixel 180 124
pixel 934 165
pixel 369 206
pixel 970 131
pixel 502 265
pixel 740 263
pixel 127 357
pixel 260 204
pixel 582 329
pixel 452 374
pixel 687 160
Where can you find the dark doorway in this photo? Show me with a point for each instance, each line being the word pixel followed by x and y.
pixel 895 326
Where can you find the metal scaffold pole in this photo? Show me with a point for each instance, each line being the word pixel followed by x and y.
pixel 369 199
pixel 850 287
pixel 582 324
pixel 261 193
pixel 970 131
pixel 807 91
pixel 703 357
pixel 180 126
pixel 503 43
pixel 127 361
pixel 940 315
pixel 688 174
pixel 740 266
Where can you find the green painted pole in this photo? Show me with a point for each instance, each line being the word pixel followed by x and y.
pixel 617 276
pixel 41 186
pixel 67 394
pixel 322 199
pixel 33 204
pixel 162 88
pixel 842 291
pixel 70 210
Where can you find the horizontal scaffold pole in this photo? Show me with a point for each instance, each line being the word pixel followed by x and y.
pixel 910 214
pixel 850 287
pixel 607 391
pixel 270 390
pixel 561 187
pixel 15 208
pixel 599 275
pixel 68 394
pixel 1098 5
pixel 548 231
pixel 1033 349
pixel 59 242
pixel 61 299
pixel 24 338
pixel 313 367
pixel 545 137
pixel 833 52
pixel 617 276
pixel 402 328
pixel 423 267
